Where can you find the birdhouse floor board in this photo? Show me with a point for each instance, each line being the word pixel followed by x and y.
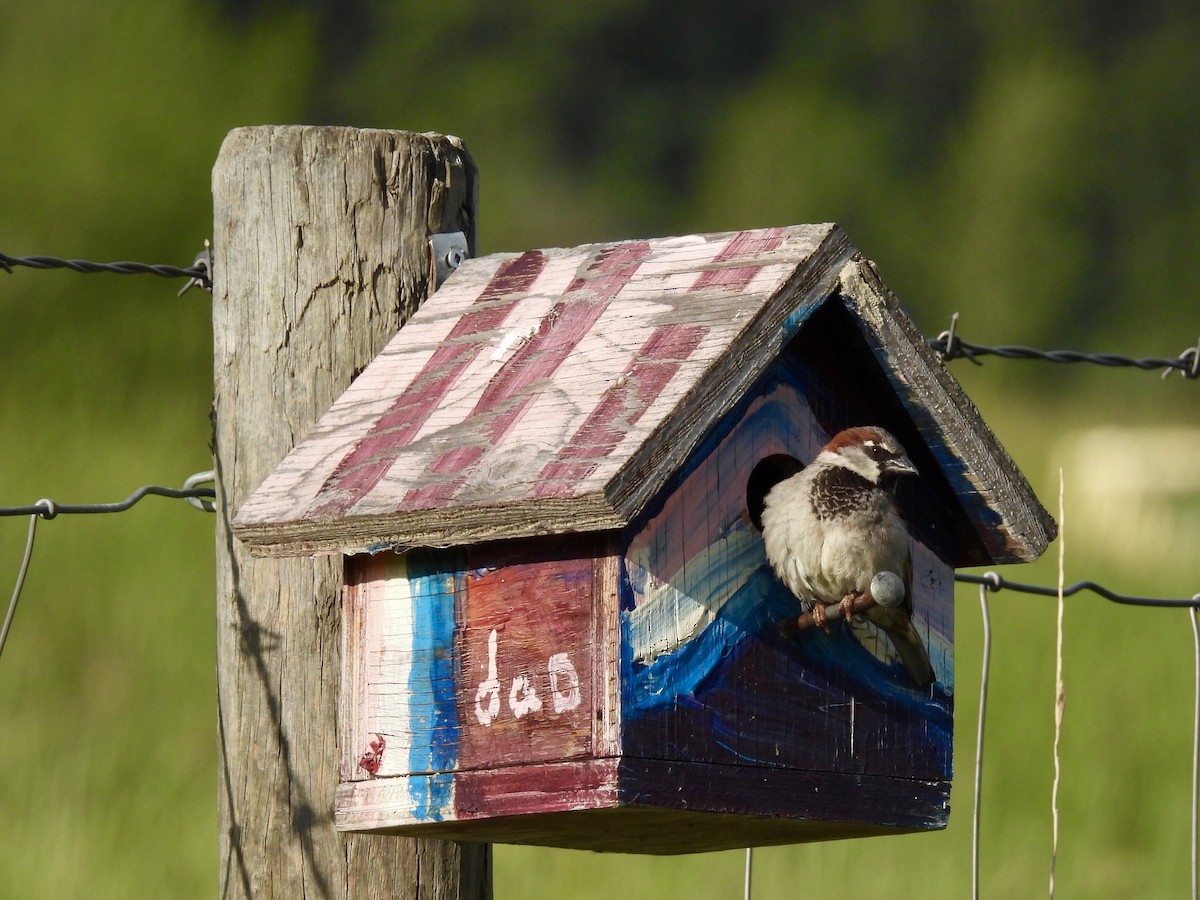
pixel 646 831
pixel 619 805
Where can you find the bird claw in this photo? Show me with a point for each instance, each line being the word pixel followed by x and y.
pixel 819 618
pixel 847 605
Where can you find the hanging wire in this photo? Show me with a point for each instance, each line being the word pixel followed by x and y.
pixel 1060 696
pixel 16 595
pixel 951 346
pixel 983 689
pixel 996 582
pixel 1196 758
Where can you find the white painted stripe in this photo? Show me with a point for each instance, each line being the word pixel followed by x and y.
pixel 296 482
pixel 389 665
pixel 521 324
pixel 598 360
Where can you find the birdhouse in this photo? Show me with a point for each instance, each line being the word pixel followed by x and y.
pixel 560 625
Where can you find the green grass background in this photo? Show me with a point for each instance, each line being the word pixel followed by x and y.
pixel 1034 169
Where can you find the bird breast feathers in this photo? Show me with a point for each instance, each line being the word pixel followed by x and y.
pixel 824 559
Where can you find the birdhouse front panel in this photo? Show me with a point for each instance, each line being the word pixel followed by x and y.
pixel 709 676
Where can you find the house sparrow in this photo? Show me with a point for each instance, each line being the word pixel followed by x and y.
pixel 832 526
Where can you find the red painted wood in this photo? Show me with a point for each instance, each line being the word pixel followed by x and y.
pixel 507 397
pixel 648 372
pixel 369 461
pixel 530 700
pixel 744 245
pixel 521 791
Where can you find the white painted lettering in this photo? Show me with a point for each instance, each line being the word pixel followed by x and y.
pixel 490 685
pixel 566 697
pixel 523 698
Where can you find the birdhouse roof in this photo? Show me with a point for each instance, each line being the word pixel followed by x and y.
pixel 558 390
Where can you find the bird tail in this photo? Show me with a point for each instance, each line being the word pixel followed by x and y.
pixel 913 654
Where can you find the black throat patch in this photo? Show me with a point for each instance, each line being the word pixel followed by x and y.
pixel 838 491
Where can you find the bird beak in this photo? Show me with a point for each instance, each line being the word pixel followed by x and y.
pixel 901 465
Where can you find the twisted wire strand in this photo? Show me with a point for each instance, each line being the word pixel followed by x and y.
pixel 950 346
pixel 199 273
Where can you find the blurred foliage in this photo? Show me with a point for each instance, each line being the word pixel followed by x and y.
pixel 1031 166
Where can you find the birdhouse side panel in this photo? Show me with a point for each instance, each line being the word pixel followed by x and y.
pixel 465 671
pixel 707 674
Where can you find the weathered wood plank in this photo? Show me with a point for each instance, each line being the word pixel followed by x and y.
pixel 606 648
pixel 525 655
pixel 321 235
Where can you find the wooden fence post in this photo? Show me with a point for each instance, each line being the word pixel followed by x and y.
pixel 320 247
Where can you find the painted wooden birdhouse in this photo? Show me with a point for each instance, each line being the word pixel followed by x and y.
pixel 560 625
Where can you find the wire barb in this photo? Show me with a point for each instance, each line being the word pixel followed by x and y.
pixel 1191 356
pixel 951 346
pixel 203 263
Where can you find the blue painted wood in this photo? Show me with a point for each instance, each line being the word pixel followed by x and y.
pixel 433 577
pixel 706 675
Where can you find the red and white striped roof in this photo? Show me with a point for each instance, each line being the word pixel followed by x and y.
pixel 523 396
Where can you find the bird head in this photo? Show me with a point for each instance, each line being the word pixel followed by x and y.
pixel 871 452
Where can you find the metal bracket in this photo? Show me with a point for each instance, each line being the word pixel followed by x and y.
pixel 447 252
pixel 203 266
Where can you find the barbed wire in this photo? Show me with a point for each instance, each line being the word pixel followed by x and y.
pixel 950 346
pixel 199 273
pixel 947 344
pixel 994 581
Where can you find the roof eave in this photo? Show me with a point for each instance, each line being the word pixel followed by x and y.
pixel 455 526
